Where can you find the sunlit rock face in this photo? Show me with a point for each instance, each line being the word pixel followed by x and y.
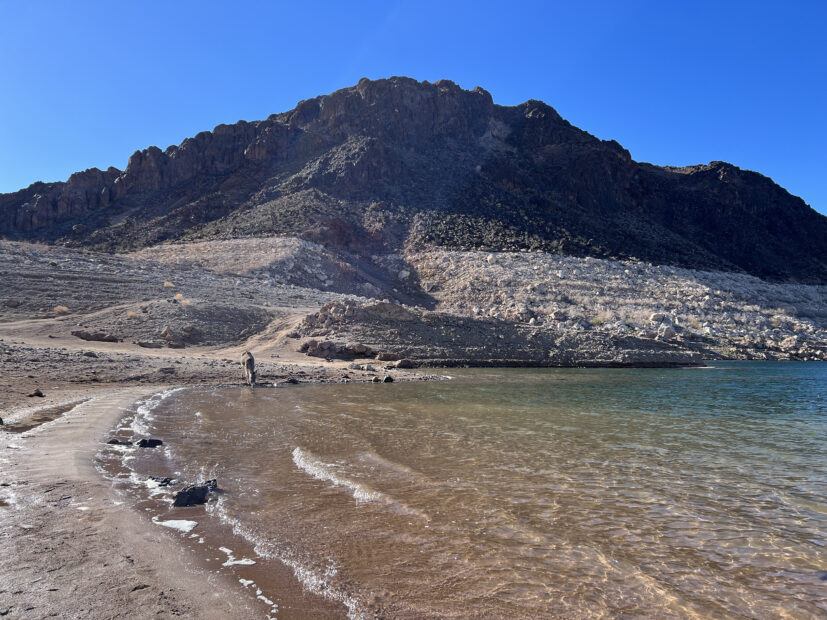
pixel 395 163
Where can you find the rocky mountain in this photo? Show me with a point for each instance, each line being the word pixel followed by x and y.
pixel 396 163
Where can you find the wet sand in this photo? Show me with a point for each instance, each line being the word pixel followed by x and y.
pixel 70 546
pixel 73 547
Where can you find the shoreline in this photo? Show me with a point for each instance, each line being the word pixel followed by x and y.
pixel 63 517
pixel 63 520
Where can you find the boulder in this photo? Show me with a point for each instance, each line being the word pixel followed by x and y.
pixel 356 350
pixel 195 494
pixel 666 332
pixel 316 348
pixel 405 363
pixel 149 443
pixel 388 357
pixel 387 379
pixel 94 336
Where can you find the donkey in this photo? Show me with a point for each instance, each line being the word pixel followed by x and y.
pixel 248 366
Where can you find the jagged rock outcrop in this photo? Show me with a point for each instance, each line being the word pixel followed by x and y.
pixel 440 339
pixel 398 163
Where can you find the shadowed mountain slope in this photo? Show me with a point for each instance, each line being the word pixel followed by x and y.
pixel 397 163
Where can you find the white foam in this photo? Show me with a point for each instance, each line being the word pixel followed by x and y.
pixel 181 525
pixel 231 561
pixel 153 486
pixel 143 414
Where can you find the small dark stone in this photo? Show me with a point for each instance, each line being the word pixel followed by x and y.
pixel 37 393
pixel 89 354
pixel 162 481
pixel 149 443
pixel 119 442
pixel 1 421
pixel 387 379
pixel 292 380
pixel 376 380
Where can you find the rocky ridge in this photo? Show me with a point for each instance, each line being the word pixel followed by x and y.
pixel 395 164
pixel 434 307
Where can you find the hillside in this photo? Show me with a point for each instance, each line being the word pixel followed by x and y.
pixel 397 164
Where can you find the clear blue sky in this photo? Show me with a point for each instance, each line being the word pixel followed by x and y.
pixel 87 83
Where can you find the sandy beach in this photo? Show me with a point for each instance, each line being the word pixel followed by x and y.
pixel 74 547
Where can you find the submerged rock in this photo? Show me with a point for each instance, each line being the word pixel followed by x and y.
pixel 195 494
pixel 119 442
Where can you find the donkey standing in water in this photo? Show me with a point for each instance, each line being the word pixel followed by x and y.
pixel 248 365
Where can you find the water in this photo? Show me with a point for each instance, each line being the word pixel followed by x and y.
pixel 528 493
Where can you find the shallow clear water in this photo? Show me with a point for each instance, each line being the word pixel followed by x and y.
pixel 530 493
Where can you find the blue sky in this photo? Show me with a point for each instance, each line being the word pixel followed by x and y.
pixel 87 83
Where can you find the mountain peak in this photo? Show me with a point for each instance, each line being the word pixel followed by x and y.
pixel 397 163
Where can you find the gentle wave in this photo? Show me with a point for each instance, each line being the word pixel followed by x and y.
pixel 324 472
pixel 315 581
pixel 140 424
pixel 320 470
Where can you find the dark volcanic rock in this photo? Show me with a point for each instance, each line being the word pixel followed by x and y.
pixel 195 494
pixel 149 443
pixel 395 162
pixel 119 442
